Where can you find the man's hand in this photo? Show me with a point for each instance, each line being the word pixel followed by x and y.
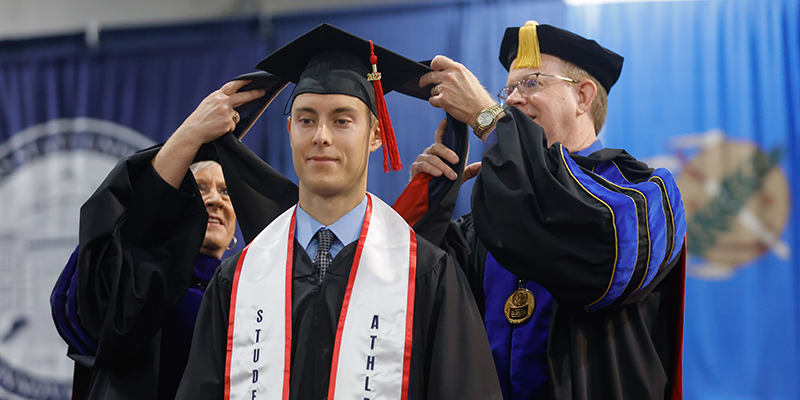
pixel 471 171
pixel 214 117
pixel 430 161
pixel 457 90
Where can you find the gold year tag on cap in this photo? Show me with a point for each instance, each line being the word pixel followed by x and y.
pixel 520 306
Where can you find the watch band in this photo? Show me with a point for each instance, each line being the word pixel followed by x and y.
pixel 494 111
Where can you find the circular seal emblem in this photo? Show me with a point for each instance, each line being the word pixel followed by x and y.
pixel 47 171
pixel 520 306
pixel 737 202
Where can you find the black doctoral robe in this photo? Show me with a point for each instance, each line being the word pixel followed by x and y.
pixel 532 215
pixel 544 223
pixel 139 240
pixel 139 243
pixel 450 356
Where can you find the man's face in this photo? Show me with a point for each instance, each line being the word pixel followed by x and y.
pixel 331 139
pixel 554 104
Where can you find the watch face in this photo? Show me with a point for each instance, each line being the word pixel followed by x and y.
pixel 484 118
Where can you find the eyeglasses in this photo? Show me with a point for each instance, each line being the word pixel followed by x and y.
pixel 528 85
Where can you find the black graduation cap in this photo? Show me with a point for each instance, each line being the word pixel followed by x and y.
pixel 251 111
pixel 525 44
pixel 328 60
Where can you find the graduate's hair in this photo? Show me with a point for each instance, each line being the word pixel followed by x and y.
pixel 599 107
pixel 373 120
pixel 201 165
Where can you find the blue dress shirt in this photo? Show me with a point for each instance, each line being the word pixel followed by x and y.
pixel 597 145
pixel 347 229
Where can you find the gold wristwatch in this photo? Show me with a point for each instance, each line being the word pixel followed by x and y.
pixel 486 118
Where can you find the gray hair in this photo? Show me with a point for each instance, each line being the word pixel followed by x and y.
pixel 599 107
pixel 201 165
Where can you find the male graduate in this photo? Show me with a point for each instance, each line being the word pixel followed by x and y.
pixel 577 250
pixel 338 297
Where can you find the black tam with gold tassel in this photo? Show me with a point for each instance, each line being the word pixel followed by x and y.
pixel 526 44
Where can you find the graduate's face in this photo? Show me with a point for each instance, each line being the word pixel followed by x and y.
pixel 221 223
pixel 331 137
pixel 554 104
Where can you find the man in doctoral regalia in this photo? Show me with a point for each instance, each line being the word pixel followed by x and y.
pixel 338 297
pixel 577 251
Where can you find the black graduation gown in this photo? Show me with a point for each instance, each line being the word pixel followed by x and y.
pixel 539 225
pixel 450 353
pixel 139 238
pixel 450 357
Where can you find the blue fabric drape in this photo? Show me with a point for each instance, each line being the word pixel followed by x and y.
pixel 709 89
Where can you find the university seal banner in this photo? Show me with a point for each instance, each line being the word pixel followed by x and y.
pixel 46 172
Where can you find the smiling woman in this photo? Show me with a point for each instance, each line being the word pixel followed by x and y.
pixel 221 218
pixel 151 237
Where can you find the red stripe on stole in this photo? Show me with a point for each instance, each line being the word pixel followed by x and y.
pixel 346 303
pixel 288 350
pixel 413 202
pixel 679 302
pixel 231 314
pixel 412 280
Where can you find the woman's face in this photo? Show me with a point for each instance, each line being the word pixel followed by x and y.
pixel 221 218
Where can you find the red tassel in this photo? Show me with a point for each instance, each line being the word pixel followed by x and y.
pixel 390 152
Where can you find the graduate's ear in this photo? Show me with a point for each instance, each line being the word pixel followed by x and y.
pixel 375 138
pixel 289 128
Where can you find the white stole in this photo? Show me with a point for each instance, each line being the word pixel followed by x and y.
pixel 372 351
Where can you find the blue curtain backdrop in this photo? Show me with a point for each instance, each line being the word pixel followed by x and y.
pixel 709 89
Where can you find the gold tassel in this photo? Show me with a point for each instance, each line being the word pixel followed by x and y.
pixel 528 52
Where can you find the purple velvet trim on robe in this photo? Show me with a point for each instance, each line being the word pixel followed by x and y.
pixel 63 305
pixel 520 351
pixel 176 334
